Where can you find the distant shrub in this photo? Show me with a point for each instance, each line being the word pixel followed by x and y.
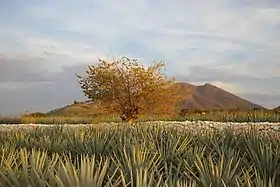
pixel 36 114
pixel 184 112
pixel 276 111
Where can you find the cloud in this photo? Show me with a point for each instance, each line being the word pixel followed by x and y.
pixel 233 44
pixel 269 100
pixel 38 90
pixel 22 69
pixel 240 82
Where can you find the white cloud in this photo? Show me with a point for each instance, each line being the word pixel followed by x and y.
pixel 230 87
pixel 238 38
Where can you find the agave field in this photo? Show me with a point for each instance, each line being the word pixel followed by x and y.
pixel 145 154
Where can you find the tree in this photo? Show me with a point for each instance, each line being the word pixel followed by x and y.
pixel 128 88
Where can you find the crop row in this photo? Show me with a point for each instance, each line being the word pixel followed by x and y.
pixel 146 154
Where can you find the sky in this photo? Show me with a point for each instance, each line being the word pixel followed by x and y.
pixel 233 44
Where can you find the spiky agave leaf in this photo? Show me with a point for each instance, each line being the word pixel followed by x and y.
pixel 216 173
pixel 28 169
pixel 252 178
pixel 135 164
pixel 265 157
pixel 87 173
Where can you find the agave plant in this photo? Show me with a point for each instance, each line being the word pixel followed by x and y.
pixel 265 158
pixel 216 173
pixel 147 154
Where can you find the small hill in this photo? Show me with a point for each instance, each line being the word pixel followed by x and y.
pixel 85 108
pixel 204 97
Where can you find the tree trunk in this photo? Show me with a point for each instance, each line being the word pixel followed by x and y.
pixel 129 116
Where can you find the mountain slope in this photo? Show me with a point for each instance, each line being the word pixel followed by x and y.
pixel 204 97
pixel 208 97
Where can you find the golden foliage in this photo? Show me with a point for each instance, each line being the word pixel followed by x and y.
pixel 128 88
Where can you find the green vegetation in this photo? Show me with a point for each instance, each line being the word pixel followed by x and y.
pixel 219 116
pixel 233 115
pixel 46 120
pixel 140 155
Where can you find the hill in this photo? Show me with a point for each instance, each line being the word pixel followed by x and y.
pixel 209 97
pixel 204 97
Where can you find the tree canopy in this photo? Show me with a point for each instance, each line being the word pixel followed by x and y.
pixel 128 88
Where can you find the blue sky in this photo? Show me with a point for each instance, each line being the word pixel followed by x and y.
pixel 232 44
